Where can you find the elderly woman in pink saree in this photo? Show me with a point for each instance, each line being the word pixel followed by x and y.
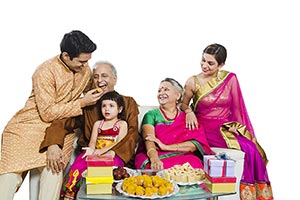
pixel 167 141
pixel 219 106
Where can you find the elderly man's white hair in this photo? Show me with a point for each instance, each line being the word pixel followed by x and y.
pixel 113 69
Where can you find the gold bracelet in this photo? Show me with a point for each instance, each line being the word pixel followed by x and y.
pixel 149 150
pixel 177 146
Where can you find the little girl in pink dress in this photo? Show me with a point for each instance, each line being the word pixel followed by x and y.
pixel 107 132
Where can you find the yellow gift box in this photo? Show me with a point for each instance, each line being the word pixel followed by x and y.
pixel 220 187
pixel 220 184
pixel 99 188
pixel 99 171
pixel 102 179
pixel 99 185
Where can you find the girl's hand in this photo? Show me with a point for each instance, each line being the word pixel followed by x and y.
pixel 88 151
pixel 98 152
pixel 191 121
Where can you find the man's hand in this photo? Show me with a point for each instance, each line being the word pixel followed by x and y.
pixel 90 98
pixel 55 159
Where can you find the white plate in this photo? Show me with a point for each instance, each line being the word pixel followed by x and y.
pixel 190 183
pixel 119 189
pixel 161 174
pixel 131 172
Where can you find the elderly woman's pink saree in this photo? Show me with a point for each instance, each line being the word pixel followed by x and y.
pixel 219 105
pixel 172 132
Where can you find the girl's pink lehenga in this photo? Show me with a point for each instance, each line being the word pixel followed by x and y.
pixel 72 182
pixel 219 105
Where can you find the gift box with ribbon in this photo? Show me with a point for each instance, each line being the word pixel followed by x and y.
pixel 99 160
pixel 218 166
pixel 224 184
pixel 99 176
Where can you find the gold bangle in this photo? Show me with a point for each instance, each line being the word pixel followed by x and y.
pixel 149 150
pixel 177 146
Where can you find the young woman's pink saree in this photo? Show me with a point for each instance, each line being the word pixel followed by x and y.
pixel 172 134
pixel 219 105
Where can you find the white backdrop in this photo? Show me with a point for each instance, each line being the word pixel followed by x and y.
pixel 150 40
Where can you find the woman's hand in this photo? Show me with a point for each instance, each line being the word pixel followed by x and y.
pixel 152 138
pixel 191 121
pixel 88 151
pixel 156 164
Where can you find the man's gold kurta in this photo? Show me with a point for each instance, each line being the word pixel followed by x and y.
pixel 54 95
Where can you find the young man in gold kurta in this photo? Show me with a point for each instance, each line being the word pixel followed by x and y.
pixel 57 86
pixel 105 76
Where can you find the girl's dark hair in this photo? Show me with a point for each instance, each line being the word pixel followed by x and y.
pixel 114 96
pixel 218 51
pixel 75 43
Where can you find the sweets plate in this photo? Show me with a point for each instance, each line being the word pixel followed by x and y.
pixel 161 174
pixel 131 172
pixel 119 189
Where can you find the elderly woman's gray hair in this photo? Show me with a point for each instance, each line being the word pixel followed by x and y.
pixel 177 86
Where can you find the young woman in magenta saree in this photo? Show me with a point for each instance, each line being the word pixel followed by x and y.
pixel 219 106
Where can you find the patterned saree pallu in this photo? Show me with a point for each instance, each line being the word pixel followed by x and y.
pixel 218 166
